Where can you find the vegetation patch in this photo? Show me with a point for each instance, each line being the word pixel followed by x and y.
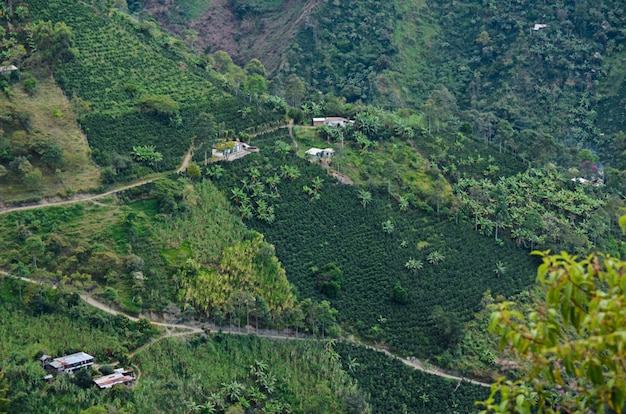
pixel 43 152
pixel 226 371
pixel 395 387
pixel 345 227
pixel 36 320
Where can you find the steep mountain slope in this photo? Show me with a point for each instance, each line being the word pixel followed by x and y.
pixel 143 86
pixel 238 28
pixel 547 68
pixel 49 124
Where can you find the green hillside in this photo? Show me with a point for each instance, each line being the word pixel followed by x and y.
pixel 337 228
pixel 141 87
pixel 560 80
pixel 475 133
pixel 40 134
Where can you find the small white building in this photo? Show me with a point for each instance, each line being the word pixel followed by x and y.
pixel 317 153
pixel 237 147
pixel 539 26
pixel 6 70
pixel 332 121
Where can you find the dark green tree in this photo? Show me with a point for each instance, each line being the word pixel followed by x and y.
pixel 83 378
pixel 400 294
pixel 193 171
pixel 329 279
pixel 55 42
pixel 255 66
pixel 35 248
pixel 294 91
pixel 160 104
pixel 255 85
pixel 52 156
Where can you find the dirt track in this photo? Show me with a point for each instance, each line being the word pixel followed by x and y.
pixel 186 330
pixel 195 329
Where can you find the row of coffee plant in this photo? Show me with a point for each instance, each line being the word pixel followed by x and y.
pixel 409 278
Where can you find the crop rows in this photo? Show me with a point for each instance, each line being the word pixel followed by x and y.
pixel 111 57
pixel 396 388
pixel 116 65
pixel 337 228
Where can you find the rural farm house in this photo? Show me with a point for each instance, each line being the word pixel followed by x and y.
pixel 332 121
pixel 228 148
pixel 67 363
pixel 120 376
pixel 318 154
pixel 7 70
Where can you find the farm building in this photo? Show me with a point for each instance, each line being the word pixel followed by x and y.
pixel 332 121
pixel 120 376
pixel 224 150
pixel 67 363
pixel 7 70
pixel 317 153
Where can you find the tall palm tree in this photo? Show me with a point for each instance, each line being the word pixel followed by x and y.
pixel 404 203
pixel 234 390
pixel 365 197
pixel 414 265
pixel 435 257
pixel 500 269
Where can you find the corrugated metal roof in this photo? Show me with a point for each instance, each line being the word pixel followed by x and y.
pixel 72 359
pixel 108 381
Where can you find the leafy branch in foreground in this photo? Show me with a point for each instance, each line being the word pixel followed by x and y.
pixel 573 343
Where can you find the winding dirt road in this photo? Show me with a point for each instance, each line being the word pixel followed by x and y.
pixel 85 197
pixel 79 198
pixel 185 330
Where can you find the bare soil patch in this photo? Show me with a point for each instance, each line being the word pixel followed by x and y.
pixel 266 37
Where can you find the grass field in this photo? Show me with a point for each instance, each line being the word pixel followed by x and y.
pixel 52 119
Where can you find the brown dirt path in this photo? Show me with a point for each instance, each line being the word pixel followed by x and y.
pixel 185 330
pixel 83 197
pixel 186 160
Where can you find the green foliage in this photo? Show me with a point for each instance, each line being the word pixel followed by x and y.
pixel 250 267
pixel 4 389
pixel 162 73
pixel 30 86
pixel 537 209
pixel 346 49
pixel 193 171
pixel 254 66
pixel 255 84
pixel 574 345
pixel 375 371
pixel 245 8
pixel 224 371
pixel 55 41
pixel 52 156
pixel 163 105
pixel 146 153
pixel 28 311
pixel 336 228
pixel 329 279
pixel 400 295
